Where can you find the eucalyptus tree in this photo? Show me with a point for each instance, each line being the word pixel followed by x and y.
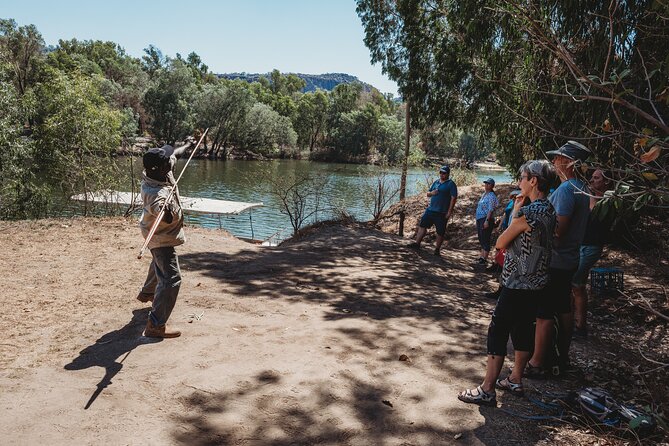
pixel 223 108
pixel 77 136
pixel 266 131
pixel 311 120
pixel 21 193
pixel 531 75
pixel 169 102
pixel 126 81
pixel 279 92
pixel 153 60
pixel 22 48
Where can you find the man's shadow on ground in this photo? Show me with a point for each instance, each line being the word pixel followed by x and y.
pixel 109 348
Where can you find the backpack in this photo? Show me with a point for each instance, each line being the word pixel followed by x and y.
pixel 600 405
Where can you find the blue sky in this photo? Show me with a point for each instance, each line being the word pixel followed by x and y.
pixel 256 36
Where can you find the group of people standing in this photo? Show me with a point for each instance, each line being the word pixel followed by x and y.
pixel 550 245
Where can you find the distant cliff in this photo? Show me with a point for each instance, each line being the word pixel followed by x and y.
pixel 325 81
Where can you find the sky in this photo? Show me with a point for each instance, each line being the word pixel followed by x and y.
pixel 255 36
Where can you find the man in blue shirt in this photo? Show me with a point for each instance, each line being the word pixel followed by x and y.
pixel 442 194
pixel 572 206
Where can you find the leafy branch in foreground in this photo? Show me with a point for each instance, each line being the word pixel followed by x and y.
pixel 533 75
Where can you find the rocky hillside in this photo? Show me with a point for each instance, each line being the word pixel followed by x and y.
pixel 325 81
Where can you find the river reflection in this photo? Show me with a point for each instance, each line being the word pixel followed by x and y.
pixel 344 184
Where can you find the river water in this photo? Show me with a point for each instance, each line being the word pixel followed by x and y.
pixel 235 180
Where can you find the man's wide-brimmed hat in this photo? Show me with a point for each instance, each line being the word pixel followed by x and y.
pixel 157 156
pixel 573 150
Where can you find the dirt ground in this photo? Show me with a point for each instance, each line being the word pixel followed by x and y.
pixel 289 345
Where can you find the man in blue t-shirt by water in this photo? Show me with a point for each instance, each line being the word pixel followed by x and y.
pixel 442 194
pixel 572 206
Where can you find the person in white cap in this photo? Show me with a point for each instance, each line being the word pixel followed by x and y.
pixel 484 219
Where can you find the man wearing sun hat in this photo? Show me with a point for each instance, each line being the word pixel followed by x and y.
pixel 443 194
pixel 572 206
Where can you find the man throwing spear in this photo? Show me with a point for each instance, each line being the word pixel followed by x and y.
pixel 164 277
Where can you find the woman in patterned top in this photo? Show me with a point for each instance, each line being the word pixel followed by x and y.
pixel 528 241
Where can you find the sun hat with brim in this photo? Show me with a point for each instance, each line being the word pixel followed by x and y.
pixel 489 181
pixel 157 156
pixel 573 150
pixel 445 169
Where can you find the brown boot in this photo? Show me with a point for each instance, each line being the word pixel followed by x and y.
pixel 145 297
pixel 151 331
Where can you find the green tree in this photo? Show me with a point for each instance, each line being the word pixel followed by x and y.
pixel 169 101
pixel 311 120
pixel 266 131
pixel 78 135
pixel 285 85
pixel 390 139
pixel 21 47
pixel 532 75
pixel 223 108
pixel 344 98
pixel 125 80
pixel 153 60
pixel 21 194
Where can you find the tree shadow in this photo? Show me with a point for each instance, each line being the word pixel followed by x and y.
pixel 271 416
pixel 356 273
pixel 109 348
pixel 393 280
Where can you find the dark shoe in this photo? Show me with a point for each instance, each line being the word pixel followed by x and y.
pixel 437 252
pixel 580 332
pixel 480 262
pixel 506 384
pixel 145 297
pixel 494 268
pixel 492 295
pixel 533 372
pixel 414 245
pixel 152 331
pixel 478 396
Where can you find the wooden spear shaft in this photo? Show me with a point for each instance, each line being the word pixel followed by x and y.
pixel 169 197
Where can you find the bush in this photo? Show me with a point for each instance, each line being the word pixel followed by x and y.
pixel 464 177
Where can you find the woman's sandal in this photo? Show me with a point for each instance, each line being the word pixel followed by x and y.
pixel 507 384
pixel 478 396
pixel 534 372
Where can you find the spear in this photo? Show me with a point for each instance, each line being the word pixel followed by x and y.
pixel 169 197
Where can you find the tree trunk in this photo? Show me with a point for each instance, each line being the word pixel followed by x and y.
pixel 405 166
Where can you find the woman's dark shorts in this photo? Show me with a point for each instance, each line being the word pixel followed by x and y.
pixel 438 219
pixel 514 315
pixel 556 297
pixel 484 234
